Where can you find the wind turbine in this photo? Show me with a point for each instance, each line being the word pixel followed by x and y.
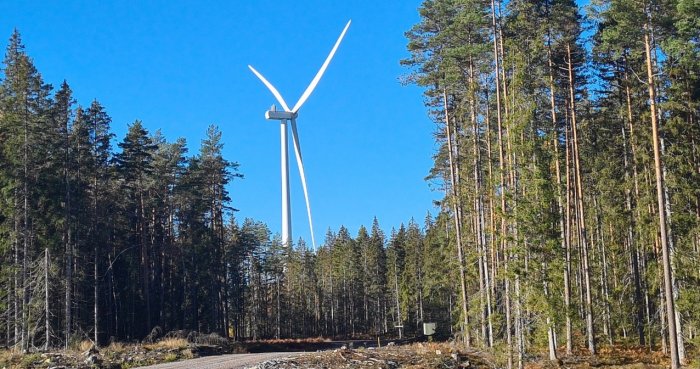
pixel 291 115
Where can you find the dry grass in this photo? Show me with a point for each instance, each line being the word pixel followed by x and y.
pixel 16 360
pixel 84 345
pixel 117 354
pixel 187 354
pixel 632 354
pixel 170 357
pixel 5 354
pixel 7 357
pixel 415 356
pixel 116 347
pixel 168 343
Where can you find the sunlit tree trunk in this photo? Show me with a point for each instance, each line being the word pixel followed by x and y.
pixel 632 244
pixel 665 252
pixel 47 313
pixel 458 225
pixel 590 333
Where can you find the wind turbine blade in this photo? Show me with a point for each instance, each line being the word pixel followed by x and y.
pixel 300 164
pixel 318 76
pixel 271 88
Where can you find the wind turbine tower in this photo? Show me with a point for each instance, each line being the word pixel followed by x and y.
pixel 290 115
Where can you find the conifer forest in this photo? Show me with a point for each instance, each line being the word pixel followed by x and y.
pixel 567 163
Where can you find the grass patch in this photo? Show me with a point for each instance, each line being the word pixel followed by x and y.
pixel 116 347
pixel 169 358
pixel 187 354
pixel 168 343
pixel 85 345
pixel 29 359
pixel 7 357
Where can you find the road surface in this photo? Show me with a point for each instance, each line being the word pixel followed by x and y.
pixel 232 361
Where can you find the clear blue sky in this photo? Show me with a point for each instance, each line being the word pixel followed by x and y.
pixel 181 65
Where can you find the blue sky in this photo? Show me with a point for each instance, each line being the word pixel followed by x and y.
pixel 181 65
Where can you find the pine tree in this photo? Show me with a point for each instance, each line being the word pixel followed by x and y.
pixel 24 113
pixel 135 165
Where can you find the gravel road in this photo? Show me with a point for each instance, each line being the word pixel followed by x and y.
pixel 233 361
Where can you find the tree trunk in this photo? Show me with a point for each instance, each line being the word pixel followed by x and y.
pixel 96 297
pixel 490 272
pixel 398 306
pixel 17 276
pixel 25 239
pixel 68 231
pixel 666 261
pixel 638 300
pixel 590 333
pixel 560 208
pixel 478 206
pixel 458 225
pixel 568 226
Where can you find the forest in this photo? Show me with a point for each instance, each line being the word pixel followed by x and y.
pixel 566 153
pixel 107 243
pixel 570 168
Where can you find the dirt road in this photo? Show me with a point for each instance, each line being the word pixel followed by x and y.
pixel 234 361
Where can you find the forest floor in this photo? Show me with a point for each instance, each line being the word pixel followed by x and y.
pixel 413 356
pixel 172 348
pixel 321 354
pixel 453 356
pixel 114 356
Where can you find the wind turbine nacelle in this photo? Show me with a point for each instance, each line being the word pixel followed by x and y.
pixel 279 115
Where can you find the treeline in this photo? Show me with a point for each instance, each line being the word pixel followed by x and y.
pixel 570 165
pixel 98 242
pixel 353 287
pixel 108 243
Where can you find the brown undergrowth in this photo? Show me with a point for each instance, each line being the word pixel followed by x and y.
pixel 413 356
pixel 453 356
pixel 115 356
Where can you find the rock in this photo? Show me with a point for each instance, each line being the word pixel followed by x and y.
pixel 455 357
